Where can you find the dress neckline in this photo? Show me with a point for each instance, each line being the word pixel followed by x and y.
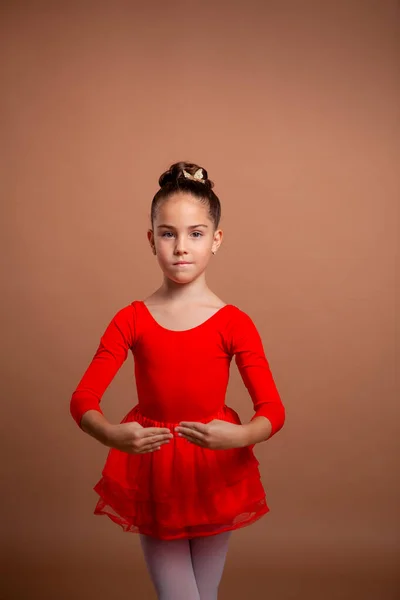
pixel 183 330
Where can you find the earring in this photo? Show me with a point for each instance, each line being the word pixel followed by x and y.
pixel 213 252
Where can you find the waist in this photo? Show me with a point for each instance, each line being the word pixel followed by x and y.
pixel 223 412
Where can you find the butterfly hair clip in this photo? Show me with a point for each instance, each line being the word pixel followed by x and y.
pixel 198 176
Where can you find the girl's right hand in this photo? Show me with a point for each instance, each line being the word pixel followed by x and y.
pixel 133 438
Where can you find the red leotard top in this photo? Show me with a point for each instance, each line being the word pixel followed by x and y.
pixel 183 490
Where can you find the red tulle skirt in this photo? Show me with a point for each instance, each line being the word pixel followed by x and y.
pixel 182 490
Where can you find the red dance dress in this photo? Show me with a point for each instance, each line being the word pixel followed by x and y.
pixel 182 490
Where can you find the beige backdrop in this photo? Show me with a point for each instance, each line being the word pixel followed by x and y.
pixel 292 107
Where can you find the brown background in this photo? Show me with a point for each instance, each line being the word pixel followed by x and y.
pixel 292 107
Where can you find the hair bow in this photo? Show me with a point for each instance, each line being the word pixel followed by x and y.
pixel 198 176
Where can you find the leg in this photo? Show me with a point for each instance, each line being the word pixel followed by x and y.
pixel 208 558
pixel 170 567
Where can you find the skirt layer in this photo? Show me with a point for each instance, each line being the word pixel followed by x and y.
pixel 182 490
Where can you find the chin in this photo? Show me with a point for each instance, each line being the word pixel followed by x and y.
pixel 181 277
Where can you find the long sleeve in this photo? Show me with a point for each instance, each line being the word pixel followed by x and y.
pixel 115 342
pixel 247 346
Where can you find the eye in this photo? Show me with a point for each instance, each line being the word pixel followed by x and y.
pixel 166 234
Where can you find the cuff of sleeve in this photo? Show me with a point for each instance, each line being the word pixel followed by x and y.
pixel 275 415
pixel 78 407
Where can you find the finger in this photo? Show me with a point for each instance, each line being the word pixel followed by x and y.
pixel 152 447
pixel 193 439
pixel 187 431
pixel 195 426
pixel 149 449
pixel 156 441
pixel 147 442
pixel 151 431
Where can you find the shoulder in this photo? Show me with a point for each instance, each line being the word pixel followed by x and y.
pixel 237 316
pixel 125 314
pixel 123 324
pixel 238 326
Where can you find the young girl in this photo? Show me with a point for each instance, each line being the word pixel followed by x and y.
pixel 181 471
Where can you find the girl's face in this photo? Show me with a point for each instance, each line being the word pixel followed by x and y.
pixel 183 231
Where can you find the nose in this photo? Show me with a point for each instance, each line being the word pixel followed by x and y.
pixel 180 246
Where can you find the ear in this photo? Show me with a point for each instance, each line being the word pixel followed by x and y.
pixel 218 236
pixel 150 237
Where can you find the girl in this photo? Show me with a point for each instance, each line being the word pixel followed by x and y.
pixel 181 471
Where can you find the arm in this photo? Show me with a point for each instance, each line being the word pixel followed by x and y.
pixel 258 430
pixel 247 346
pixel 111 353
pixel 95 424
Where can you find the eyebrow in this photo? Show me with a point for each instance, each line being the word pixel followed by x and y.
pixel 190 226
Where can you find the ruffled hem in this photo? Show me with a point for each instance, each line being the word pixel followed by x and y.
pixel 183 490
pixel 131 525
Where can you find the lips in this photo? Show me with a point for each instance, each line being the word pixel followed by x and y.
pixel 182 263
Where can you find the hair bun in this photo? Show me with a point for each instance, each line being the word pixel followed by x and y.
pixel 185 171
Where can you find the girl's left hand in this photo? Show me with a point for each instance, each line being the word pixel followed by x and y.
pixel 216 435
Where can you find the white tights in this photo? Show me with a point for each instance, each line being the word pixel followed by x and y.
pixel 186 569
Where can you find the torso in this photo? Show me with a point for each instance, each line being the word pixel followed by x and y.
pixel 182 316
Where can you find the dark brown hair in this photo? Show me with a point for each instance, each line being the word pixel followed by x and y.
pixel 174 180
